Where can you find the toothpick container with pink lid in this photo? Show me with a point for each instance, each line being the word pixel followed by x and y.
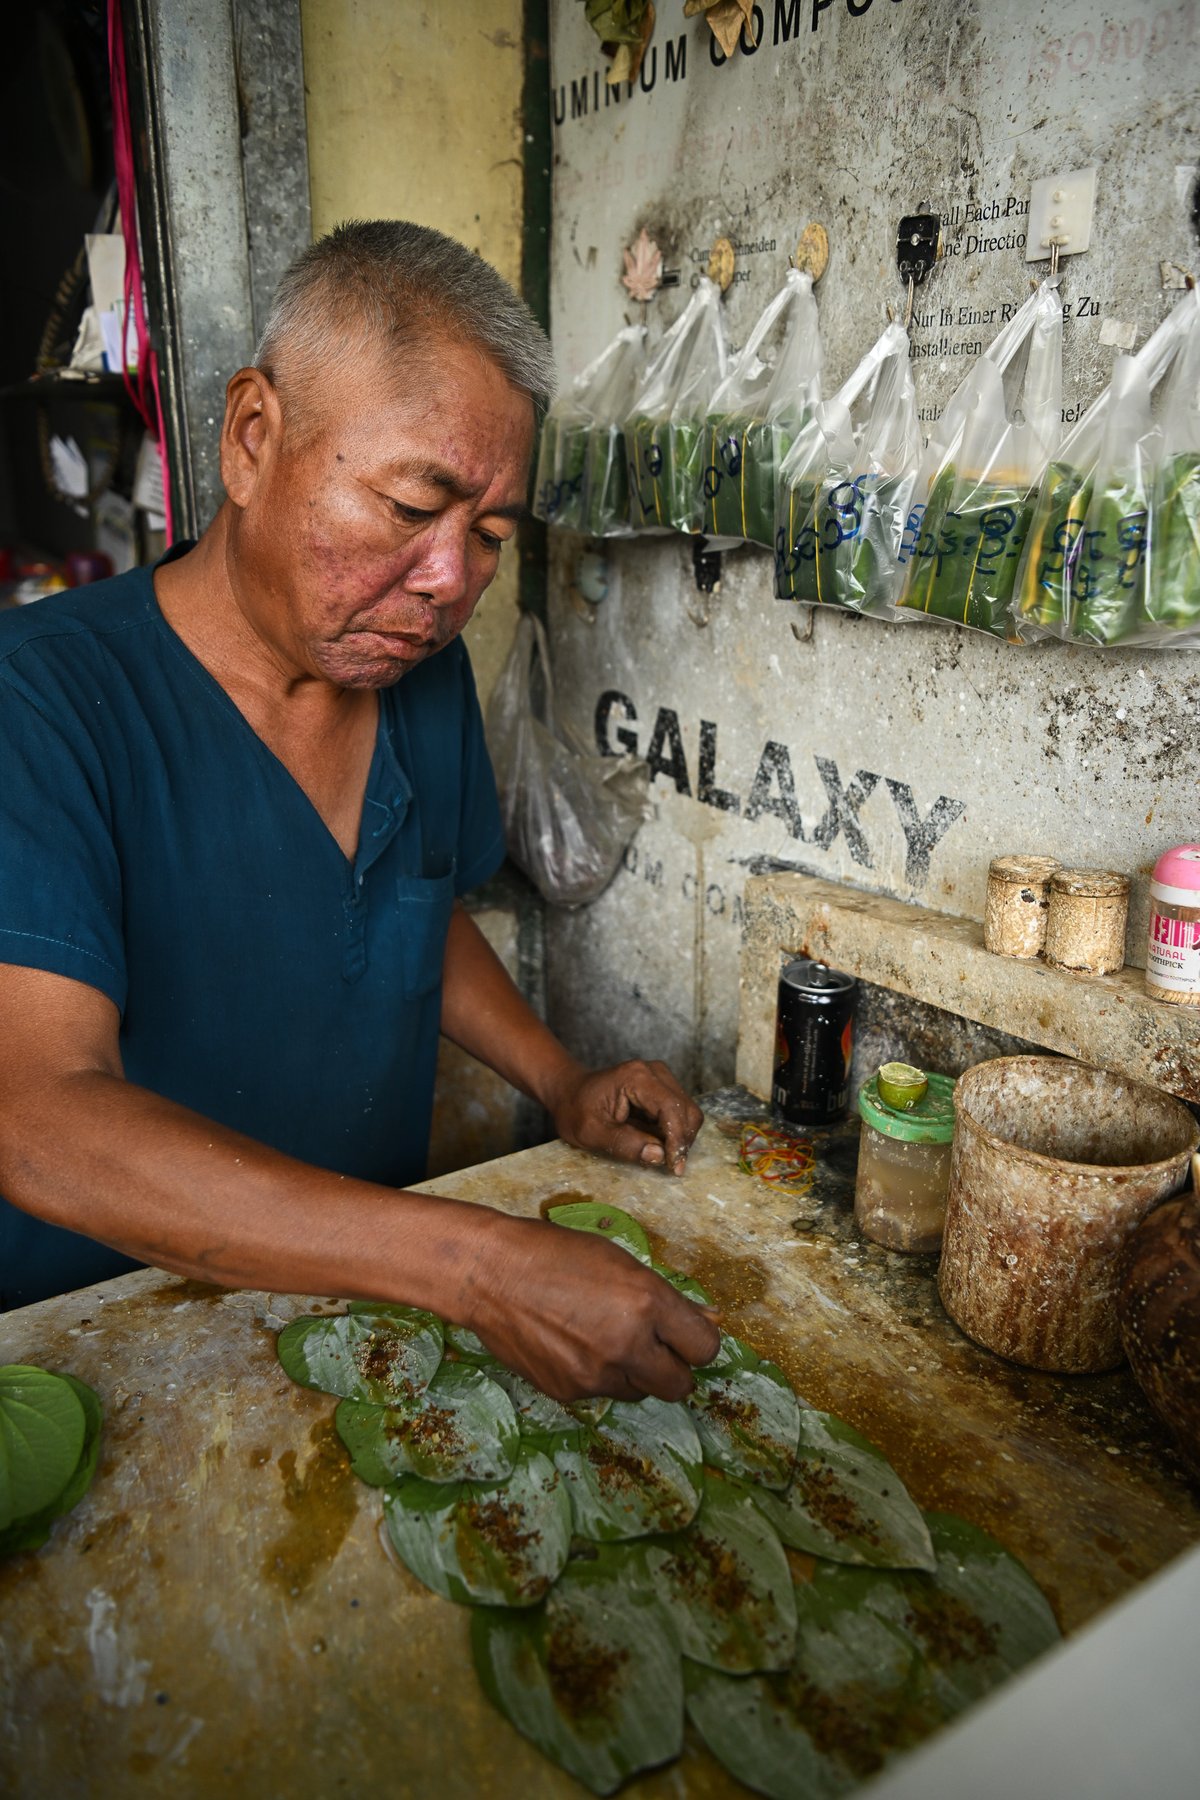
pixel 1173 951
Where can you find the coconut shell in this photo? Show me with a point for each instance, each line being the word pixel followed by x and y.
pixel 1158 1305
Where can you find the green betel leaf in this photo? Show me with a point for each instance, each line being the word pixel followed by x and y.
pixel 637 1471
pixel 460 1428
pixel 604 1221
pixel 724 1584
pixel 592 1676
pixel 387 1355
pixel 392 1309
pixel 89 1456
pixel 481 1544
pixel 856 1692
pixel 466 1346
pixel 32 1531
pixel 42 1429
pixel 683 1284
pixel 746 1414
pixel 537 1414
pixel 845 1501
pixel 976 1620
pixel 590 1411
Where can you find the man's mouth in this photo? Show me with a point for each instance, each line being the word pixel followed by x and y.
pixel 405 644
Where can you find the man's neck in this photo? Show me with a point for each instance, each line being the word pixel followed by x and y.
pixel 324 735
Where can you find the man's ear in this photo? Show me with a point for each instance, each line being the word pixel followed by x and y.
pixel 251 432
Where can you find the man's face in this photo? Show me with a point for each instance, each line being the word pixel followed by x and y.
pixel 367 543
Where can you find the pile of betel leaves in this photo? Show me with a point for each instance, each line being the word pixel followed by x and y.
pixel 49 1443
pixel 629 1563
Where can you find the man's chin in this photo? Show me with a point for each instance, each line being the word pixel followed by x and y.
pixel 375 675
pixel 360 668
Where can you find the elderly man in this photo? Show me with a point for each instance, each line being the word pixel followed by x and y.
pixel 242 793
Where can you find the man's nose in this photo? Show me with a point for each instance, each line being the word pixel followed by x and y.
pixel 441 569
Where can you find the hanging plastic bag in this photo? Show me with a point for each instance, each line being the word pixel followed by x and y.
pixel 1173 585
pixel 1108 580
pixel 665 428
pixel 1083 569
pixel 581 482
pixel 756 414
pixel 846 487
pixel 568 814
pixel 980 478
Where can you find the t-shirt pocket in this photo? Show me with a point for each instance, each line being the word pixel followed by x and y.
pixel 424 903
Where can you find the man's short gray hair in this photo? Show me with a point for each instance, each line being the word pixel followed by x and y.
pixel 400 285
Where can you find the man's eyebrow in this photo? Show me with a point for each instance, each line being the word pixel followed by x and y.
pixel 438 475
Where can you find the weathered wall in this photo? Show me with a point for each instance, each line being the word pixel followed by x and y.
pixel 899 758
pixel 415 112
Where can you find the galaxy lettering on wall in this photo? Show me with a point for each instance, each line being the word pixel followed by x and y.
pixel 773 791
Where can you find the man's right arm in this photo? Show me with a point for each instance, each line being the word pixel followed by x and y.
pixel 83 1148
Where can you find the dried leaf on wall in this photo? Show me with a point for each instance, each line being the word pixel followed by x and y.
pixel 643 267
pixel 624 28
pixel 726 19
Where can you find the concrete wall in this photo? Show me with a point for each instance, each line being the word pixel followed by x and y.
pixel 896 758
pixel 415 112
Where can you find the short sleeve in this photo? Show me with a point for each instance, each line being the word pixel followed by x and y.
pixel 60 877
pixel 481 830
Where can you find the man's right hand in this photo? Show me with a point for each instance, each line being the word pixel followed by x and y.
pixel 579 1317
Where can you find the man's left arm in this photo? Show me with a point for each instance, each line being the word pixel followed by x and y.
pixel 636 1111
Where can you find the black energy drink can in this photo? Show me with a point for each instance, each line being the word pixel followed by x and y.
pixel 814 1043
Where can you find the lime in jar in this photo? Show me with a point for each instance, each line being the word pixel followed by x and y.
pixel 904 1157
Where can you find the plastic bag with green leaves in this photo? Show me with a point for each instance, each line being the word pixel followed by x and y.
pixel 756 415
pixel 1108 579
pixel 982 469
pixel 664 432
pixel 1173 587
pixel 1068 579
pixel 581 482
pixel 846 487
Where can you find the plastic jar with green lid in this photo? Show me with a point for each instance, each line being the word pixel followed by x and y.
pixel 904 1167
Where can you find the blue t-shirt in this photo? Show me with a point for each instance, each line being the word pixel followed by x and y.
pixel 152 846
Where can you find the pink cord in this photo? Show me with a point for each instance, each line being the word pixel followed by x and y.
pixel 147 395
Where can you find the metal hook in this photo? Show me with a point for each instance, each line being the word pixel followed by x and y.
pixel 912 296
pixel 1054 248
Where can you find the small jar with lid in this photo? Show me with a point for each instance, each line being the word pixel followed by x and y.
pixel 1173 950
pixel 904 1166
pixel 1085 923
pixel 1014 917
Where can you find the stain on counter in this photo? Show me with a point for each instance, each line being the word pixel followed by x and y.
pixel 321 1500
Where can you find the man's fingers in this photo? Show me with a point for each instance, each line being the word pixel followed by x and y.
pixel 629 1143
pixel 604 1323
pixel 665 1375
pixel 595 1109
pixel 690 1331
pixel 655 1093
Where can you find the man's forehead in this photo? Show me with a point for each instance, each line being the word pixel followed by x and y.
pixel 428 368
pixel 442 413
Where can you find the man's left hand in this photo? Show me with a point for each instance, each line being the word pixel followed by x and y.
pixel 636 1112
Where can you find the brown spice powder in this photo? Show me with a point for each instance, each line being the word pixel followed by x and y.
pixel 585 1677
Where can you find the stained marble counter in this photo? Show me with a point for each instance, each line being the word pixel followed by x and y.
pixel 221 1613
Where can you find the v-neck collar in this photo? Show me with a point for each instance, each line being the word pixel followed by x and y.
pixel 388 793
